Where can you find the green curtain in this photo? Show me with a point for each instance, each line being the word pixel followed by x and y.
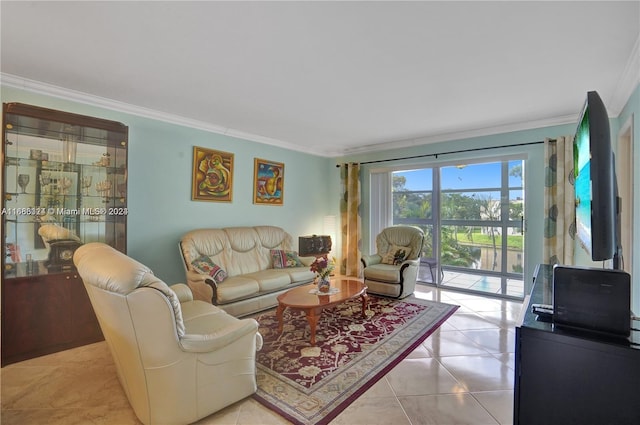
pixel 350 264
pixel 559 202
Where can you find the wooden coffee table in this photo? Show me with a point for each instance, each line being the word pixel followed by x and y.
pixel 312 304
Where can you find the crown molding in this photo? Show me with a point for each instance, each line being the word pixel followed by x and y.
pixel 114 105
pixel 628 81
pixel 465 134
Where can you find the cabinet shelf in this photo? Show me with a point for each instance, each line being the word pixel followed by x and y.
pixel 48 165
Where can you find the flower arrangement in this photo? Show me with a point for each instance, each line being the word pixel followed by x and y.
pixel 323 267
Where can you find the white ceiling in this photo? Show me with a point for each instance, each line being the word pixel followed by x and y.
pixel 330 78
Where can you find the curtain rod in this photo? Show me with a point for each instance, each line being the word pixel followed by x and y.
pixel 447 153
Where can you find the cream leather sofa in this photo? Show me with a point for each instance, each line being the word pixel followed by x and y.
pixel 244 254
pixel 178 360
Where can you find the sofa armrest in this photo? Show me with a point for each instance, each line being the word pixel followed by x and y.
pixel 204 343
pixel 415 262
pixel 409 269
pixel 203 287
pixel 370 260
pixel 194 276
pixel 183 292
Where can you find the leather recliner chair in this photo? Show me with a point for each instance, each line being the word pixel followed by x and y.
pixel 178 360
pixel 393 270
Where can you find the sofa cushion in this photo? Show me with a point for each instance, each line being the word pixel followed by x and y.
pixel 383 273
pixel 285 259
pixel 197 317
pixel 205 265
pixel 248 248
pixel 236 287
pixel 238 250
pixel 396 254
pixel 271 279
pixel 301 274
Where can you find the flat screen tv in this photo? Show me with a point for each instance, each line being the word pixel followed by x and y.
pixel 595 182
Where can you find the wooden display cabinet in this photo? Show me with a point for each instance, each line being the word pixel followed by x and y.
pixel 64 183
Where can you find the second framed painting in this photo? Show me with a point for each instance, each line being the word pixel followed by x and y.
pixel 268 182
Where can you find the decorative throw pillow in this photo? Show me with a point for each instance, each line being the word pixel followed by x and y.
pixel 396 255
pixel 204 265
pixel 285 259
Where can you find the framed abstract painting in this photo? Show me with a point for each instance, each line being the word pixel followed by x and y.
pixel 212 178
pixel 268 182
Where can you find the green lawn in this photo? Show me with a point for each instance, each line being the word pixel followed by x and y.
pixel 513 241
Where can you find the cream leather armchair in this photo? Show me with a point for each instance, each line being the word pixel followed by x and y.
pixel 178 360
pixel 393 270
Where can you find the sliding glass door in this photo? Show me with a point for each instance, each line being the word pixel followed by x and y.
pixel 481 228
pixel 472 215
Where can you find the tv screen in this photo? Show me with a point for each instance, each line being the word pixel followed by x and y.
pixel 595 181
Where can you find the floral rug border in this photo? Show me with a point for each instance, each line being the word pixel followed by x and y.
pixel 322 402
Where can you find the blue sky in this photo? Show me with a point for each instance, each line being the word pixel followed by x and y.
pixel 470 176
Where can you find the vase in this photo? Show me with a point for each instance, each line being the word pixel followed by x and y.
pixel 324 285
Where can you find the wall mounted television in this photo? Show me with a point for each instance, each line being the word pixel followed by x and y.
pixel 597 203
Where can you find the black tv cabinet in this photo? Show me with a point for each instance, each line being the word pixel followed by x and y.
pixel 566 377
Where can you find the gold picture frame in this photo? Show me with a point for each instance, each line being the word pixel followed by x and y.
pixel 268 182
pixel 212 176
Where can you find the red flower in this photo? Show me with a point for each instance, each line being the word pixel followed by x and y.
pixel 322 266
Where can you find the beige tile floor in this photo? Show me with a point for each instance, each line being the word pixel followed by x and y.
pixel 462 374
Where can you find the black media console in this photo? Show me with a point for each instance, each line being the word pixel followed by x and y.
pixel 566 376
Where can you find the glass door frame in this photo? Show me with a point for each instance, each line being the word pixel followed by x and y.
pixel 505 223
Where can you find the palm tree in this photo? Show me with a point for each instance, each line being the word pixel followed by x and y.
pixel 491 212
pixel 454 254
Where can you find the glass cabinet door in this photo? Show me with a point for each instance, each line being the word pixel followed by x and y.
pixel 64 184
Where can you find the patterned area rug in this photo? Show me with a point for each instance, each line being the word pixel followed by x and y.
pixel 310 385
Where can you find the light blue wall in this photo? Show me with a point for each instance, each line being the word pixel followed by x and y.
pixel 160 205
pixel 632 111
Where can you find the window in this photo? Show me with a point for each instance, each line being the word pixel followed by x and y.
pixel 472 215
pixel 413 203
